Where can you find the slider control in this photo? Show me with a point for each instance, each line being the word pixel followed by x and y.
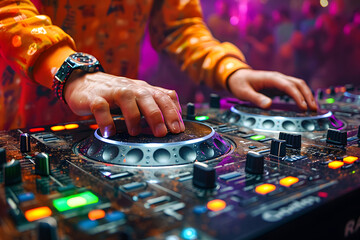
pixel 292 140
pixel 12 172
pixel 25 142
pixel 190 111
pixel 42 164
pixel 337 137
pixel 278 148
pixel 2 156
pixel 214 101
pixel 204 176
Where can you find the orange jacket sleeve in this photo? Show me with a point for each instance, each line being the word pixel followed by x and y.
pixel 25 35
pixel 177 28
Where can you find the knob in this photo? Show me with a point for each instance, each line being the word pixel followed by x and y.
pixel 12 172
pixel 204 176
pixel 335 136
pixel 332 90
pixel 292 140
pixel 47 229
pixel 214 101
pixel 2 156
pixel 190 111
pixel 42 165
pixel 349 87
pixel 254 163
pixel 278 148
pixel 24 142
pixel 320 94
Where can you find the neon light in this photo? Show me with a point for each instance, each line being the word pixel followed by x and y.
pixel 288 181
pixel 265 188
pixel 37 213
pixel 257 137
pixel 33 130
pixel 71 126
pixel 94 126
pixel 57 128
pixel 330 100
pixel 96 214
pixel 216 205
pixel 202 118
pixel 75 201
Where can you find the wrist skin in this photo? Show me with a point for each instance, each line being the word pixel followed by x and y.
pixel 49 62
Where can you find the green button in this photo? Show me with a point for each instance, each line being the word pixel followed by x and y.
pixel 257 137
pixel 201 118
pixel 75 201
pixel 330 100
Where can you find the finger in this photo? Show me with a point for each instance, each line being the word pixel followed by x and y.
pixel 151 112
pixel 247 93
pixel 125 99
pixel 101 111
pixel 173 95
pixel 305 90
pixel 170 112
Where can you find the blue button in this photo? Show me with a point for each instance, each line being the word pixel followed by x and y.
pixel 133 186
pixel 198 210
pixel 86 225
pixel 143 195
pixel 26 197
pixel 189 234
pixel 115 216
pixel 228 176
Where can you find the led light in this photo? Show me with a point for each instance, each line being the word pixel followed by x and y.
pixel 335 164
pixel 201 118
pixel 350 159
pixel 57 128
pixel 265 188
pixel 189 234
pixel 216 205
pixel 71 126
pixel 257 137
pixel 33 130
pixel 75 201
pixel 94 126
pixel 37 213
pixel 96 214
pixel 288 181
pixel 330 100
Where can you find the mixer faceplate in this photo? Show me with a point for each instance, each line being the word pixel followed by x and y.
pixel 199 142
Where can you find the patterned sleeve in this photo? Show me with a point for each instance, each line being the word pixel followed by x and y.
pixel 177 27
pixel 25 34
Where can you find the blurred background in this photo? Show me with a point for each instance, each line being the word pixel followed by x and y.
pixel 316 40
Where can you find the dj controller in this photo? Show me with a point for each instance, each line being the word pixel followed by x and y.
pixel 237 172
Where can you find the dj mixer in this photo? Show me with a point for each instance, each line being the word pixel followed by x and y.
pixel 237 172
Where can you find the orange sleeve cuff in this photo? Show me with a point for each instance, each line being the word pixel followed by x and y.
pixel 49 62
pixel 226 67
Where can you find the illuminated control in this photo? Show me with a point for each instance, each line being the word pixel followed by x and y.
pixel 34 130
pixel 37 213
pixel 57 128
pixel 201 118
pixel 257 137
pixel 96 214
pixel 71 126
pixel 350 159
pixel 189 234
pixel 265 188
pixel 330 100
pixel 288 181
pixel 94 126
pixel 335 164
pixel 216 205
pixel 75 201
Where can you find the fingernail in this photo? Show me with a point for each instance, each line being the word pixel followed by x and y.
pixel 265 102
pixel 175 127
pixel 303 104
pixel 108 132
pixel 134 131
pixel 160 130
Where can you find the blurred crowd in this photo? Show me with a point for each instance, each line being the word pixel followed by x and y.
pixel 318 44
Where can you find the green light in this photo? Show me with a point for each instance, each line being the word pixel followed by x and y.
pixel 201 118
pixel 75 201
pixel 330 100
pixel 353 172
pixel 257 137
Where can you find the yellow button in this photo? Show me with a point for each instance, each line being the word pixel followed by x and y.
pixel 265 188
pixel 216 205
pixel 350 159
pixel 71 126
pixel 288 181
pixel 57 128
pixel 37 213
pixel 335 164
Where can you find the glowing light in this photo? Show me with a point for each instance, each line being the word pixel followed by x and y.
pixel 330 100
pixel 265 188
pixel 71 126
pixel 189 234
pixel 257 137
pixel 216 205
pixel 33 130
pixel 350 159
pixel 57 128
pixel 94 126
pixel 335 164
pixel 96 214
pixel 201 118
pixel 288 181
pixel 324 3
pixel 75 201
pixel 16 41
pixel 37 213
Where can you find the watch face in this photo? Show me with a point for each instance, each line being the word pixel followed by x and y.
pixel 83 58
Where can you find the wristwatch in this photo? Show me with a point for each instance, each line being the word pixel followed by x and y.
pixel 78 60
